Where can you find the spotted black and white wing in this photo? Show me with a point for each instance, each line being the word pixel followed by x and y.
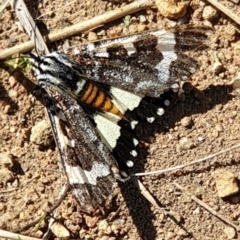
pixel 90 168
pixel 146 64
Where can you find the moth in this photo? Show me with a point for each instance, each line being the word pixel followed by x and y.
pixel 96 100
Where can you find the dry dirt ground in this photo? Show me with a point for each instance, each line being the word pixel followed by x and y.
pixel 204 121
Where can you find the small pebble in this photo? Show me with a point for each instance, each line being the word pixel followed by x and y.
pixel 236 83
pixel 172 9
pixel 12 81
pixel 6 160
pixel 209 13
pixel 60 231
pixel 133 29
pixel 91 221
pixel 104 227
pixel 41 133
pixel 229 232
pixel 6 176
pixel 92 36
pixel 186 143
pixel 12 93
pixel 7 109
pixel 226 183
pixel 186 121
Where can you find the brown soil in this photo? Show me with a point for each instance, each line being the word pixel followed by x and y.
pixel 210 107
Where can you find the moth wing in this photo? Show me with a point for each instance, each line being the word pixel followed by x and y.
pixel 146 64
pixel 87 162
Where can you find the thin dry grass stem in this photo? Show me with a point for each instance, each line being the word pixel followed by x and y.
pixel 82 26
pixel 225 10
pixel 204 205
pixel 10 235
pixel 187 164
pixel 29 25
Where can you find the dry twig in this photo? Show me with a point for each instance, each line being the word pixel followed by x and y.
pixel 29 25
pixel 10 235
pixel 225 10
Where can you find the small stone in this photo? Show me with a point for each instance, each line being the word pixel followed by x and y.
pixel 5 176
pixel 142 19
pixel 171 8
pixel 209 13
pixel 230 232
pixel 60 231
pixel 115 228
pixel 7 109
pixel 217 67
pixel 41 134
pixel 196 211
pixel 200 139
pixel 219 128
pixel 186 121
pixel 133 29
pixel 15 183
pixel 226 183
pixel 3 206
pixel 141 27
pixel 185 143
pixel 6 160
pixel 92 36
pixel 169 235
pixel 13 129
pixel 12 81
pixel 12 93
pixel 38 234
pixel 182 233
pixel 232 69
pixel 91 221
pixel 104 227
pixel 236 83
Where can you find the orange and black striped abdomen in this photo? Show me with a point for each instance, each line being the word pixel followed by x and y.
pixel 96 98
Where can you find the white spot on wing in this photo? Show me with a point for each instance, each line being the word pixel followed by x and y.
pixel 133 124
pixel 79 176
pixel 102 54
pixel 135 142
pixel 133 153
pixel 160 111
pixel 151 119
pixel 175 87
pixel 130 163
pixel 166 47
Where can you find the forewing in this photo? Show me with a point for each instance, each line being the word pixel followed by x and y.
pixel 87 162
pixel 146 64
